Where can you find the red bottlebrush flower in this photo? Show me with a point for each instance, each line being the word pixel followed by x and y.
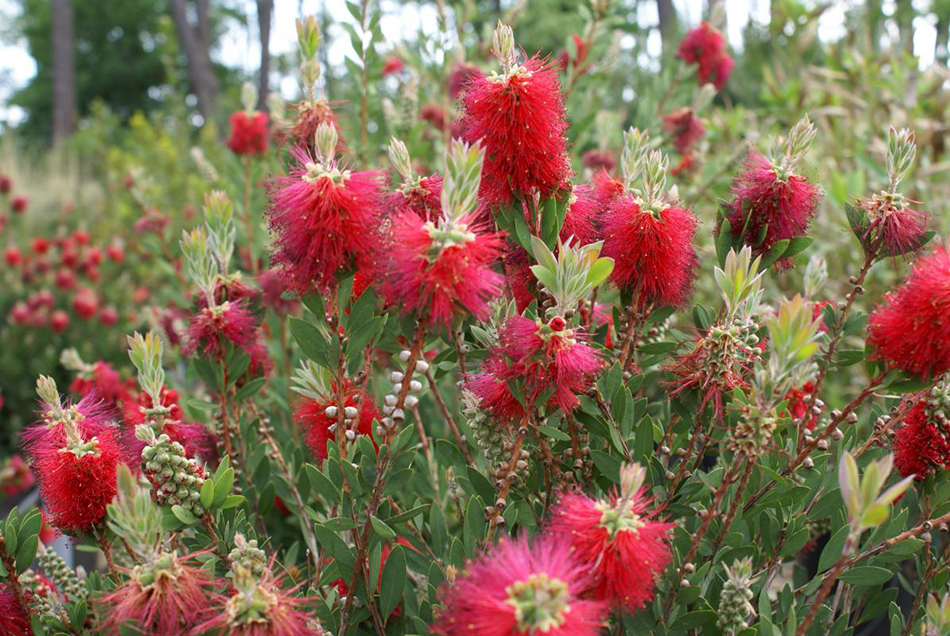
pixel 910 330
pixel 543 357
pixel 85 303
pixel 272 293
pixel 65 279
pixel 620 541
pixel 393 64
pixel 442 272
pixel 212 328
pixel 422 197
pixel 13 256
pixel 20 314
pixel 105 381
pixel 606 189
pixel 18 205
pixel 108 316
pixel 517 589
pixel 248 133
pixel 323 223
pixel 433 114
pixel 778 209
pixel 798 399
pixel 81 236
pixel 15 476
pixel 93 257
pixel 309 117
pixel 59 321
pixel 653 255
pixel 40 245
pixel 261 608
pixel 167 595
pixel 519 119
pixel 460 77
pixel 893 227
pixel 16 621
pixel 116 252
pixel 581 216
pixel 706 47
pixel 6 184
pixel 77 478
pixel 920 447
pixel 311 415
pixel 598 160
pixel 687 129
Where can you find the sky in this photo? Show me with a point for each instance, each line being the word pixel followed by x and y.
pixel 240 47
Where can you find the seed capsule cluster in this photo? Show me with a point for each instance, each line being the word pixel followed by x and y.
pixel 395 416
pixel 735 607
pixel 247 555
pixel 496 445
pixel 62 575
pixel 177 479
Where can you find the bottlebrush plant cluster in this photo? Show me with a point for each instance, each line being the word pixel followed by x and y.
pixel 472 394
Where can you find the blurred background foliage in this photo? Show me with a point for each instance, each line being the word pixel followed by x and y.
pixel 142 139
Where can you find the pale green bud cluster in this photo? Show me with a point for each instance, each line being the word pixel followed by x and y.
pixel 133 515
pixel 219 221
pixel 178 479
pixel 740 282
pixel 866 505
pixel 62 575
pixel 636 144
pixel 246 554
pixel 145 352
pixel 901 152
pixel 43 600
pixel 735 607
pixel 200 262
pixel 570 276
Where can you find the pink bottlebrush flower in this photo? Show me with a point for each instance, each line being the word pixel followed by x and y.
pixel 910 330
pixel 598 160
pixel 393 64
pixel 460 77
pixel 705 47
pixel 620 541
pixel 93 416
pixel 778 208
pixel 422 197
pixel 543 357
pixel 15 475
pixel 324 223
pixel 309 117
pixel 653 253
pixel 519 588
pixel 272 293
pixel 920 446
pixel 893 227
pixel 519 119
pixel 167 595
pixel 212 328
pixel 442 273
pixel 311 415
pixel 687 129
pixel 248 133
pixel 261 608
pixel 16 620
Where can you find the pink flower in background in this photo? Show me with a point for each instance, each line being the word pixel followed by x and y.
pixel 212 328
pixel 705 47
pixel 687 129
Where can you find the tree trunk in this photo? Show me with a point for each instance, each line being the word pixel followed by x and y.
pixel 265 9
pixel 667 16
pixel 64 74
pixel 196 43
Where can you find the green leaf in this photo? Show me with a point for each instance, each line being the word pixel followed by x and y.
pixel 797 245
pixel 9 532
pixel 231 501
pixel 775 252
pixel 253 387
pixel 867 575
pixel 222 486
pixel 380 528
pixel 600 270
pixel 322 485
pixel 833 549
pixel 723 242
pixel 553 433
pixel 393 581
pixel 26 553
pixel 207 494
pixel 187 517
pixel 694 620
pixel 311 341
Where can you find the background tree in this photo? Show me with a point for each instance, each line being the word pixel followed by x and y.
pixel 64 72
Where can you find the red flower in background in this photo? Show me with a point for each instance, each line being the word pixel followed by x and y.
pixel 460 77
pixel 519 119
pixel 516 589
pixel 16 621
pixel 59 321
pixel 393 64
pixel 6 184
pixel 653 254
pixel 322 224
pixel 422 198
pixel 212 328
pixel 687 129
pixel 705 47
pixel 920 446
pixel 248 133
pixel 910 329
pixel 19 204
pixel 311 415
pixel 598 160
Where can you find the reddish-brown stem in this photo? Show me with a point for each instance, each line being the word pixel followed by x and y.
pixel 828 584
pixel 449 420
pixel 734 506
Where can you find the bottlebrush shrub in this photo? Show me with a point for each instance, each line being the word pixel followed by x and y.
pixel 496 408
